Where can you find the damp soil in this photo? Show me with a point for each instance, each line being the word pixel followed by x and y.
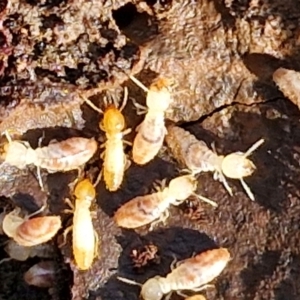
pixel 222 55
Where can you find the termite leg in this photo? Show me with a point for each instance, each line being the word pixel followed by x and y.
pixel 7 135
pixel 222 179
pixel 66 232
pixel 181 294
pixel 168 296
pixel 203 287
pixel 247 189
pixel 127 143
pixel 96 244
pixel 164 216
pixel 39 178
pixel 41 139
pixel 71 205
pixel 5 260
pixel 128 281
pixel 98 179
pixel 173 263
pixel 127 163
pixel 140 109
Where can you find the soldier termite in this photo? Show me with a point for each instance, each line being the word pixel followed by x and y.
pixel 63 156
pixel 30 232
pixel 192 274
pixel 114 158
pixel 85 239
pixel 151 132
pixel 199 158
pixel 146 209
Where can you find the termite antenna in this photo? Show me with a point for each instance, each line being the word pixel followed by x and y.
pixel 207 200
pixel 138 83
pixel 37 212
pixel 247 189
pixel 92 105
pixel 132 282
pixel 124 99
pixel 254 147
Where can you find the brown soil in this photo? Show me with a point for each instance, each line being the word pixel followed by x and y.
pixel 222 55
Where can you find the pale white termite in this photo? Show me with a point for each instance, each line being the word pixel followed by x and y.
pixel 114 158
pixel 85 239
pixel 63 156
pixel 151 132
pixel 30 232
pixel 191 274
pixel 146 209
pixel 197 157
pixel 57 156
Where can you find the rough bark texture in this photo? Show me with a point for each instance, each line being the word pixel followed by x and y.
pixel 222 55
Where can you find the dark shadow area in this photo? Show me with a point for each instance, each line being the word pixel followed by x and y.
pixel 256 272
pixel 177 242
pixel 135 25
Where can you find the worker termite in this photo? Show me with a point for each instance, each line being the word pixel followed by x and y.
pixel 199 158
pixel 30 232
pixel 151 132
pixel 143 210
pixel 21 253
pixel 57 156
pixel 85 239
pixel 114 158
pixel 191 274
pixel 41 274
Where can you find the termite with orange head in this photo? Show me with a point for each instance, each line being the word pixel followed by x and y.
pixel 30 232
pixel 192 274
pixel 151 132
pixel 143 210
pixel 85 239
pixel 114 158
pixel 196 155
pixel 63 156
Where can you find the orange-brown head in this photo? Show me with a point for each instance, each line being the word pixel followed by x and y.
pixel 113 121
pixel 85 190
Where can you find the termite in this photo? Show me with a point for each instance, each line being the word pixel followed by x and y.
pixel 197 157
pixel 63 156
pixel 151 132
pixel 191 274
pixel 30 232
pixel 114 158
pixel 85 239
pixel 146 209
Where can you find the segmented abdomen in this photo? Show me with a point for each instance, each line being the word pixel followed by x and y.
pixel 66 155
pixel 189 151
pixel 114 164
pixel 148 140
pixel 83 237
pixel 140 211
pixel 199 270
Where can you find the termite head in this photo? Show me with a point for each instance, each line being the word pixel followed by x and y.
pixel 113 120
pixel 236 165
pixel 85 190
pixel 14 152
pixel 151 289
pixel 159 95
pixel 182 187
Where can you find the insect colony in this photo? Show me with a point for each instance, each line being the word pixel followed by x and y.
pixel 192 274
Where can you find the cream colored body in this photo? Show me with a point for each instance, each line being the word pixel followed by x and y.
pixel 149 139
pixel 199 158
pixel 114 162
pixel 84 241
pixel 59 156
